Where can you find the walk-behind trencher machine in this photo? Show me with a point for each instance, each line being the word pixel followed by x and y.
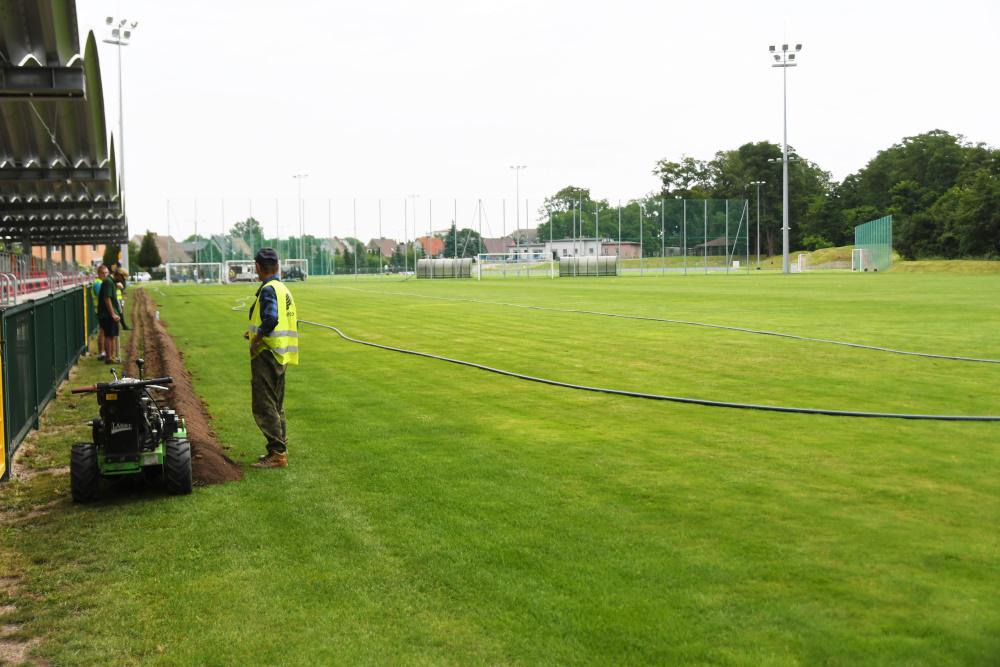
pixel 132 436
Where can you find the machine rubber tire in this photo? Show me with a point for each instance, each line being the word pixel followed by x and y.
pixel 177 466
pixel 84 474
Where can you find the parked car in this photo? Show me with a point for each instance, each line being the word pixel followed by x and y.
pixel 141 277
pixel 293 273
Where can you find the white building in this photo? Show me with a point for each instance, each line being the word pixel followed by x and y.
pixel 580 247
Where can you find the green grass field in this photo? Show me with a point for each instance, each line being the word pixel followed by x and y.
pixel 438 514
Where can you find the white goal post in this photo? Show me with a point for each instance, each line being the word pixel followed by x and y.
pixel 194 272
pixel 860 259
pixel 515 264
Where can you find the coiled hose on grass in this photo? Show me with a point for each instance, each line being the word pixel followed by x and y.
pixel 763 332
pixel 662 397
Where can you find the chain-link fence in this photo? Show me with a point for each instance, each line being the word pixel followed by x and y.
pixel 358 236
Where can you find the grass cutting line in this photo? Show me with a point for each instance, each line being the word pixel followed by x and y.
pixel 707 325
pixel 663 397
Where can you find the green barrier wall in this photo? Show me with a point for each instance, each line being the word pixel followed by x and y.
pixel 40 341
pixel 875 239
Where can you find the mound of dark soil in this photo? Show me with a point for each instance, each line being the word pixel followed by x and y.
pixel 151 341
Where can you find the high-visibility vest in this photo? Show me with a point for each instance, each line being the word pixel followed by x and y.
pixel 284 340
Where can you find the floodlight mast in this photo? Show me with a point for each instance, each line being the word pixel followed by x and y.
pixel 784 60
pixel 121 35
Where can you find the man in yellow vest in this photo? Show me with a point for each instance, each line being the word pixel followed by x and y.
pixel 274 343
pixel 98 281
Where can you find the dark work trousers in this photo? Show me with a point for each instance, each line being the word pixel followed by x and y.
pixel 267 390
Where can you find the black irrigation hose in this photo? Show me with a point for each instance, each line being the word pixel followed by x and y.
pixel 660 397
pixel 762 332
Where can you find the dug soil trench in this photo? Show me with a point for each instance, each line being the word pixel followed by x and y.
pixel 151 342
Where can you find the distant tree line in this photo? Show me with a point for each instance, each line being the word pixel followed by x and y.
pixel 943 194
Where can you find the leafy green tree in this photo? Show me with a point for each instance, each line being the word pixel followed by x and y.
pixel 688 179
pixel 149 254
pixel 727 176
pixel 251 231
pixel 469 242
pixel 940 190
pixel 934 185
pixel 111 253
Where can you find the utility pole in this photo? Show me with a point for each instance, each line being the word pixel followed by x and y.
pixel 517 199
pixel 758 184
pixel 299 177
pixel 121 35
pixel 413 198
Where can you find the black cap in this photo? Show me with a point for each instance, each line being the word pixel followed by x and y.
pixel 266 255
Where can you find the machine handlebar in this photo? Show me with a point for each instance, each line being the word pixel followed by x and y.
pixel 124 383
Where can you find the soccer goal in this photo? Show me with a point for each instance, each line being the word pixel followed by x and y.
pixel 523 264
pixel 860 259
pixel 194 272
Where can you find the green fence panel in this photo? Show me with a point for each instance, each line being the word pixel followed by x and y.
pixel 40 342
pixel 873 241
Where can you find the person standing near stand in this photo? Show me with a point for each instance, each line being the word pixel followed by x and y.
pixel 107 313
pixel 96 289
pixel 274 344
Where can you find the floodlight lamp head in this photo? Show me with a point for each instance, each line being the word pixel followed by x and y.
pixel 791 56
pixel 777 58
pixel 115 32
pixel 135 24
pixel 109 20
pixel 798 47
pixel 128 33
pixel 784 47
pixel 770 48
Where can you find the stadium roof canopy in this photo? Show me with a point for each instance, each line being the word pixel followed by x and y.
pixel 58 182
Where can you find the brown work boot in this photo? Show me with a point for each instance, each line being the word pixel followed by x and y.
pixel 272 460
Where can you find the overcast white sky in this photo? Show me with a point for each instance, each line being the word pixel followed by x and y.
pixel 225 100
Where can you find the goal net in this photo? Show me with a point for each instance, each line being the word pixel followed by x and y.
pixel 860 259
pixel 522 264
pixel 194 272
